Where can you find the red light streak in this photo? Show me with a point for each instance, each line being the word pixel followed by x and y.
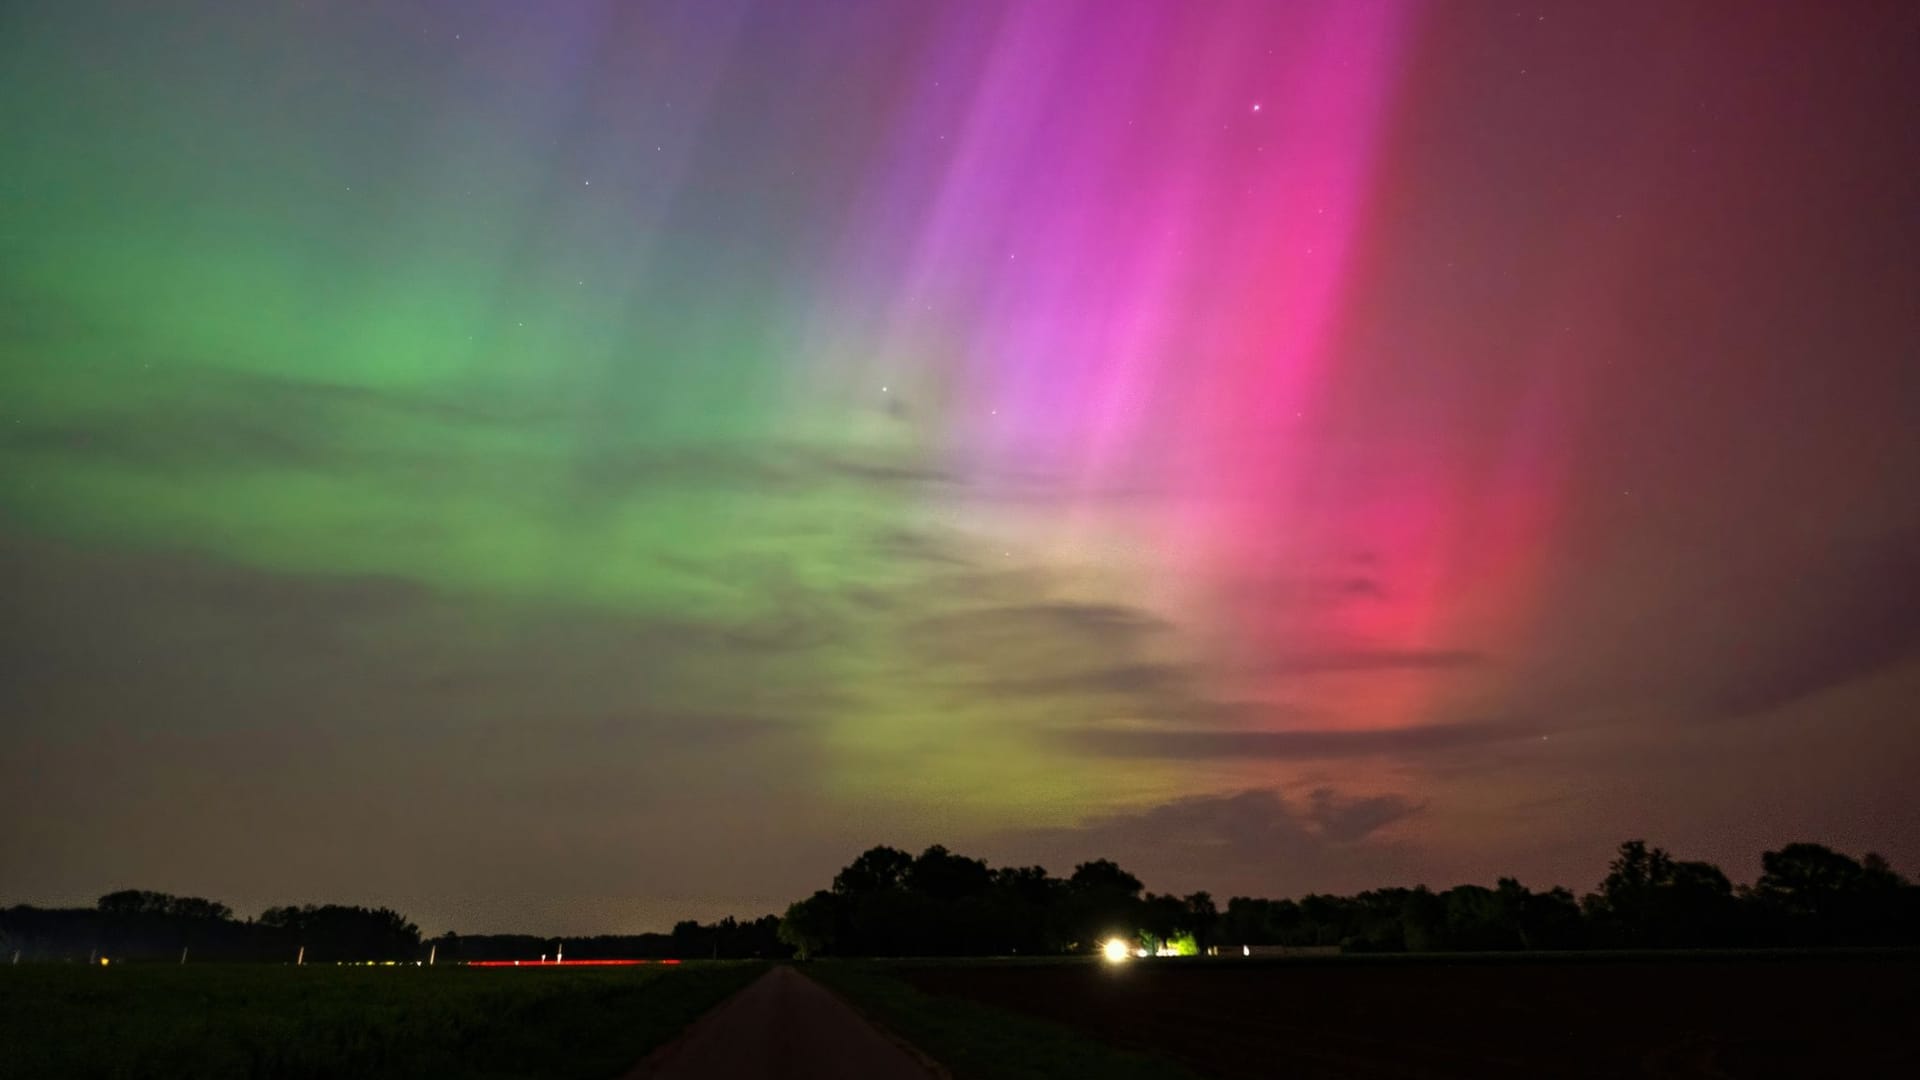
pixel 564 963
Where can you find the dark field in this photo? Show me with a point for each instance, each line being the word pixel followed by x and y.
pixel 980 1042
pixel 324 1021
pixel 1795 1015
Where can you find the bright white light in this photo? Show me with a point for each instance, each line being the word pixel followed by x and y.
pixel 1246 950
pixel 1114 950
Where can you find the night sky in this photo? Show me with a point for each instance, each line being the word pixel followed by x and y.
pixel 573 466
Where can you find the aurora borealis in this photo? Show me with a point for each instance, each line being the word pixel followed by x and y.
pixel 590 463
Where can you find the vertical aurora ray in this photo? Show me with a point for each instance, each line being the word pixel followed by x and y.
pixel 1104 261
pixel 894 320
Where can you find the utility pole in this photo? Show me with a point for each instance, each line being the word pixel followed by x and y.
pixel 432 951
pixel 301 958
pixel 183 954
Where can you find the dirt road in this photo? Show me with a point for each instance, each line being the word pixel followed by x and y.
pixel 786 1026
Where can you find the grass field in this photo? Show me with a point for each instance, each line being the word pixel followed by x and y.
pixel 213 1021
pixel 977 1041
pixel 1509 1015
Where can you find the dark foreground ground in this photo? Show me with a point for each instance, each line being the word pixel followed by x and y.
pixel 281 1021
pixel 1796 1015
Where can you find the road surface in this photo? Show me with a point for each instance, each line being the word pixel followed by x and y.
pixel 783 1026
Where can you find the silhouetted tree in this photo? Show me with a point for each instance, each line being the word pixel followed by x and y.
pixel 342 932
pixel 811 926
pixel 1695 907
pixel 1024 912
pixel 1650 900
pixel 1807 881
pixel 135 902
pixel 194 907
pixel 1810 894
pixel 1202 919
pixel 941 875
pixel 1103 900
pixel 1546 920
pixel 877 869
pixel 1161 918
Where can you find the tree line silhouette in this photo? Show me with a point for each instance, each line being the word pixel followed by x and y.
pixel 939 903
pixel 727 939
pixel 135 924
pixel 890 903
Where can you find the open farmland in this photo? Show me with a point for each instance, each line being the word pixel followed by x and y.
pixel 215 1021
pixel 1567 1015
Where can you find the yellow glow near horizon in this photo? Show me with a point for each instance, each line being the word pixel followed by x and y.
pixel 1115 950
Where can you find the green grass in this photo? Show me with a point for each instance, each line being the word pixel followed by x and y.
pixel 214 1021
pixel 979 1042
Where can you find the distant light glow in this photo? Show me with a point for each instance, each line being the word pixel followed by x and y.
pixel 1115 950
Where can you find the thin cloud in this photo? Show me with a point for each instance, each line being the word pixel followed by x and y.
pixel 1205 745
pixel 1320 663
pixel 1256 841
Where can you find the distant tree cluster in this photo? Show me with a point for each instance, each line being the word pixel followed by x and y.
pixel 1807 894
pixel 728 939
pixel 890 903
pixel 336 931
pixel 1465 917
pixel 135 924
pixel 142 902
